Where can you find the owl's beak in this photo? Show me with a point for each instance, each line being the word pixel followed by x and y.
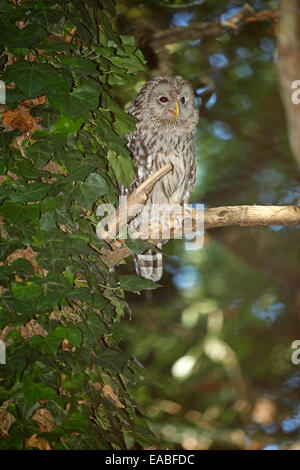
pixel 175 111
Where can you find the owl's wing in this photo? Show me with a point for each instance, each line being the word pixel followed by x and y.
pixel 190 176
pixel 142 161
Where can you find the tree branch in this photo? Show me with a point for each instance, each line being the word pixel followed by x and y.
pixel 132 205
pixel 201 30
pixel 244 216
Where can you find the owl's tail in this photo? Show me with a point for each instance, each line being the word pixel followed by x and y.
pixel 150 265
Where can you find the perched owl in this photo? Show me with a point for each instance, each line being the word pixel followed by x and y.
pixel 167 121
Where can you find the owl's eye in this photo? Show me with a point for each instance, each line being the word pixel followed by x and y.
pixel 182 100
pixel 163 99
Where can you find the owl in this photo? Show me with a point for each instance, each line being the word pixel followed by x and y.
pixel 167 121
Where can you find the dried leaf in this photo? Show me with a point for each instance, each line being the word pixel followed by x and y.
pixel 38 442
pixel 44 419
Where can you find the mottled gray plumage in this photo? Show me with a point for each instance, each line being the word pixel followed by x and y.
pixel 167 124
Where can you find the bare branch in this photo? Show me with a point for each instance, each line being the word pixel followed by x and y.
pixel 244 216
pixel 201 30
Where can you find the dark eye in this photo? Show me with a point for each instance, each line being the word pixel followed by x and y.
pixel 182 100
pixel 163 99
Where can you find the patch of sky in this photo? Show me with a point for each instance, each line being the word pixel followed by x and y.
pixel 222 130
pixel 229 13
pixel 270 312
pixel 212 101
pixel 243 70
pixel 186 277
pixel 271 447
pixel 218 61
pixel 182 19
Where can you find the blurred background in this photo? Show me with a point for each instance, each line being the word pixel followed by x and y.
pixel 215 340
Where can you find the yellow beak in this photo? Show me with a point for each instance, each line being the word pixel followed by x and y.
pixel 175 111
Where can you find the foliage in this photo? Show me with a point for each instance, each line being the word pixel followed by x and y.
pixel 64 385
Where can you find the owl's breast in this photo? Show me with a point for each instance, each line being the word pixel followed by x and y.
pixel 171 187
pixel 153 150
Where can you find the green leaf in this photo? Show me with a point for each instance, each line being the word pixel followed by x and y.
pixel 93 329
pixel 34 192
pixel 89 191
pixel 26 292
pixel 132 63
pixel 78 103
pixel 4 270
pixel 53 259
pixel 134 283
pixel 18 213
pixel 72 334
pixel 22 265
pixel 36 79
pixel 25 169
pixel 51 19
pixel 138 246
pixel 113 360
pixel 64 125
pixel 51 343
pixel 7 137
pixel 40 151
pixel 48 114
pixel 76 422
pixel 26 37
pixel 75 383
pixel 81 293
pixel 34 392
pixel 79 64
pixel 122 167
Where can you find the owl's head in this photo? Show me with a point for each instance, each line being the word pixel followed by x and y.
pixel 166 102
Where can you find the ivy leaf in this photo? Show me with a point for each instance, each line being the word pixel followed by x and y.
pixel 93 329
pixel 133 283
pixel 18 213
pixel 133 64
pixel 26 292
pixel 75 383
pixel 64 125
pixel 53 259
pixel 113 360
pixel 34 192
pixel 138 246
pixel 34 392
pixel 89 191
pixel 36 79
pixel 50 18
pixel 72 334
pixel 25 37
pixel 76 422
pixel 22 265
pixel 51 343
pixel 79 102
pixel 79 64
pixel 122 167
